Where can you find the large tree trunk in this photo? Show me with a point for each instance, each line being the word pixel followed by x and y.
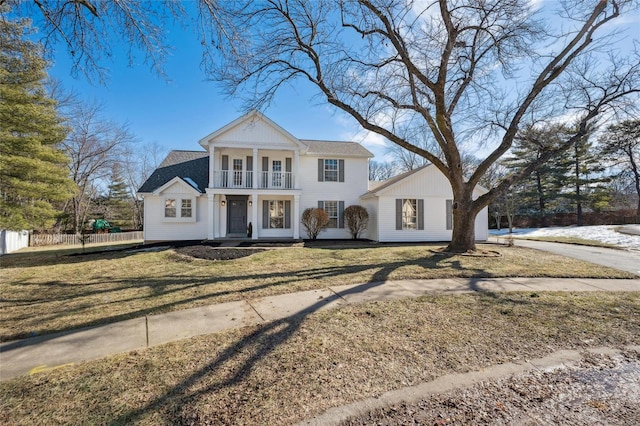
pixel 464 218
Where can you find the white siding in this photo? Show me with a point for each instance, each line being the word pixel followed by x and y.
pixel 433 187
pixel 11 241
pixel 156 228
pixel 482 225
pixel 255 133
pixel 372 229
pixel 354 185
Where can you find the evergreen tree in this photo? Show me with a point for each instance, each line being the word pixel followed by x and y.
pixel 620 146
pixel 540 193
pixel 119 201
pixel 33 172
pixel 584 177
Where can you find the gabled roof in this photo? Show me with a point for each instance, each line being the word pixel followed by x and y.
pixel 377 188
pixel 187 165
pixel 344 149
pixel 177 179
pixel 389 182
pixel 250 116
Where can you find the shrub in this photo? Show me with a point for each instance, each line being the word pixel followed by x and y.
pixel 314 220
pixel 356 218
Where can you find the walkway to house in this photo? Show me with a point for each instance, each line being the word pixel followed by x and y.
pixel 41 353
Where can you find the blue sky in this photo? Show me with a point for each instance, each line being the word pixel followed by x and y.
pixel 180 109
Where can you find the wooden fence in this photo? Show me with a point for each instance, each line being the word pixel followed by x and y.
pixel 74 239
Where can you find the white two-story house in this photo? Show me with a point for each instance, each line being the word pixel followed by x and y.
pixel 254 179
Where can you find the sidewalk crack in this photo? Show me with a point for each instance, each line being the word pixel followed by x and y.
pixel 255 310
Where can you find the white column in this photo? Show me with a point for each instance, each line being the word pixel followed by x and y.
pixel 296 216
pixel 211 207
pixel 255 170
pixel 212 162
pixel 254 214
pixel 216 222
pixel 296 169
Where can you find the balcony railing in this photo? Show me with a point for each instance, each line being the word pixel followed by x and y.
pixel 266 180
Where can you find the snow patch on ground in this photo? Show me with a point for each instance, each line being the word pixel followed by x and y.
pixel 603 233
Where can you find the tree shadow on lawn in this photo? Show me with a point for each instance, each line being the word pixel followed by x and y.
pixel 242 357
pixel 171 287
pixel 258 345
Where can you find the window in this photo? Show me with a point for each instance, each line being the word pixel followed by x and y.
pixel 237 172
pixel 177 209
pixel 334 210
pixel 409 213
pixel 170 207
pixel 277 173
pixel 185 208
pixel 276 214
pixel 330 170
pixel 331 207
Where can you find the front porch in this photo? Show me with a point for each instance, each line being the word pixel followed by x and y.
pixel 235 214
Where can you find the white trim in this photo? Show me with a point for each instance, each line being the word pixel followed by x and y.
pixel 210 139
pixel 173 181
pixel 178 200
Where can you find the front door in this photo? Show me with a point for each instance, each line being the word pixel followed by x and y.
pixel 237 216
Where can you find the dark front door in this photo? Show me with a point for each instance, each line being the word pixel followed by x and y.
pixel 237 216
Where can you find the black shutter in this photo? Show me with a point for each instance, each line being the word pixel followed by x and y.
pixel 265 214
pixel 420 215
pixel 398 214
pixel 287 214
pixel 265 174
pixel 321 205
pixel 449 212
pixel 340 170
pixel 249 163
pixel 340 214
pixel 287 165
pixel 225 170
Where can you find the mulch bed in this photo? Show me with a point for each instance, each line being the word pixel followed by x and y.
pixel 217 253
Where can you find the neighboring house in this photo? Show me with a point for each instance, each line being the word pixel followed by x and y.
pixel 11 241
pixel 256 176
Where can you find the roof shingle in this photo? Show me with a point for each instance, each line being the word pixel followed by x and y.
pixel 184 164
pixel 350 149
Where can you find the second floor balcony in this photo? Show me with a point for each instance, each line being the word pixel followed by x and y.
pixel 245 179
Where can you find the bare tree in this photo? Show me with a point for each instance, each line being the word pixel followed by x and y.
pixel 621 146
pixel 405 159
pixel 384 170
pixel 89 29
pixel 138 162
pixel 398 67
pixel 93 146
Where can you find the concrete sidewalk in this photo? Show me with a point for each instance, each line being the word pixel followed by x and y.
pixel 42 353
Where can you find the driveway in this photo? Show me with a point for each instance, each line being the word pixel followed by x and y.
pixel 624 260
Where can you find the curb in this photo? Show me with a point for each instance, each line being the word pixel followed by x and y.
pixel 413 394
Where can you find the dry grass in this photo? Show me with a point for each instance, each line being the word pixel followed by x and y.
pixel 571 240
pixel 44 292
pixel 295 368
